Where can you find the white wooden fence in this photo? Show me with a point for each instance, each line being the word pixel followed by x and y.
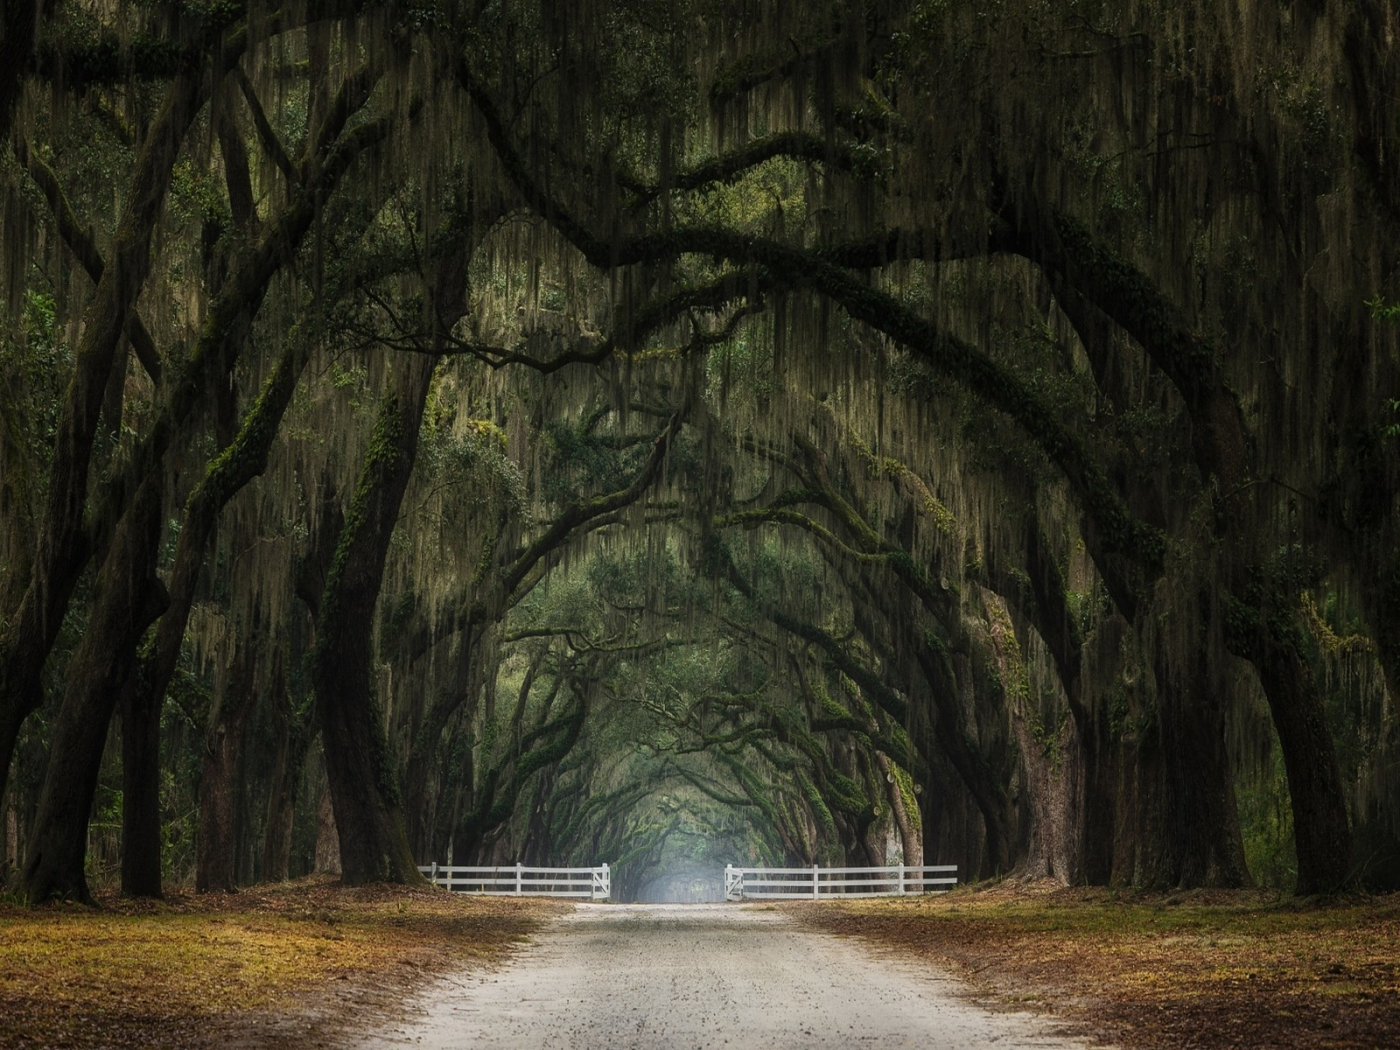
pixel 816 882
pixel 521 881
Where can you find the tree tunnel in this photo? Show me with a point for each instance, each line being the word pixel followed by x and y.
pixel 675 434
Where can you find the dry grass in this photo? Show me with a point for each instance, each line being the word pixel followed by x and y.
pixel 268 966
pixel 290 965
pixel 1209 970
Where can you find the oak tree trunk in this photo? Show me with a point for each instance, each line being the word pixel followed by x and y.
pixel 141 824
pixel 359 768
pixel 327 858
pixel 1321 831
pixel 293 741
pixel 910 836
pixel 129 598
pixel 215 869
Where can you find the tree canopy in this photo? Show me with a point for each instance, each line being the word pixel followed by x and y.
pixel 689 432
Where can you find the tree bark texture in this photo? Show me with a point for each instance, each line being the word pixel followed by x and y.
pixel 128 599
pixel 910 836
pixel 1321 830
pixel 951 738
pixel 460 691
pixel 1201 843
pixel 1100 796
pixel 141 816
pixel 327 857
pixel 359 767
pixel 293 741
pixel 215 863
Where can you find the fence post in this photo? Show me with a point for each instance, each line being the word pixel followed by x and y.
pixel 901 880
pixel 433 877
pixel 519 874
pixel 814 882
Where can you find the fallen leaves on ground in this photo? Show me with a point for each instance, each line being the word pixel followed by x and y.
pixel 1208 970
pixel 268 966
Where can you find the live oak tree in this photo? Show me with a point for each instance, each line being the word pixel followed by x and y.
pixel 621 427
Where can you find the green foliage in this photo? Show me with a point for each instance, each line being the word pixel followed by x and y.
pixel 684 652
pixel 740 372
pixel 35 362
pixel 1382 310
pixel 1388 313
pixel 1266 825
pixel 587 456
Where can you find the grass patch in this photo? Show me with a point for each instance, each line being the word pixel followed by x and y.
pixel 210 969
pixel 1205 969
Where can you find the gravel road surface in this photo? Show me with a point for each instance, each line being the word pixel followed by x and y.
pixel 703 975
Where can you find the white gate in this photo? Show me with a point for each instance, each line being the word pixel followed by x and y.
pixel 521 881
pixel 816 882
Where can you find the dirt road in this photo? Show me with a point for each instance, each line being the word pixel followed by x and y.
pixel 672 976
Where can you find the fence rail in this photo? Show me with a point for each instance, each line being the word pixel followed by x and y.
pixel 816 882
pixel 521 881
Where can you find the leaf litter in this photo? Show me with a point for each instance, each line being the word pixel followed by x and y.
pixel 271 966
pixel 1208 970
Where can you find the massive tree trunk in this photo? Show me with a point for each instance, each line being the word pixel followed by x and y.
pixel 141 830
pixel 326 860
pixel 1176 820
pixel 905 819
pixel 374 843
pixel 359 766
pixel 1321 830
pixel 219 781
pixel 129 598
pixel 1100 793
pixel 1037 596
pixel 461 689
pixel 294 735
pixel 1199 841
pixel 947 733
pixel 1043 741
